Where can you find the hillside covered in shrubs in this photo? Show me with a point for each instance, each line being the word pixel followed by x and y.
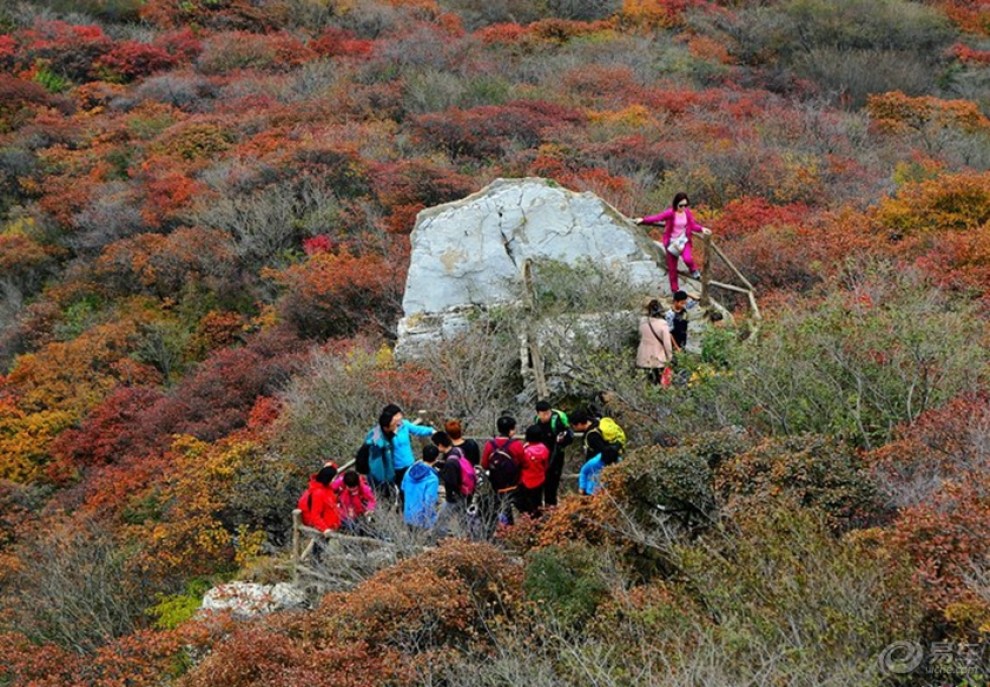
pixel 205 210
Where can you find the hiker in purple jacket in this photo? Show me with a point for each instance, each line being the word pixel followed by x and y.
pixel 679 224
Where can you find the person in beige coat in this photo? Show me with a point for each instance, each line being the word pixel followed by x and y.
pixel 654 350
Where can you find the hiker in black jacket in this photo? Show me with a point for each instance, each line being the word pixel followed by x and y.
pixel 556 435
pixel 594 442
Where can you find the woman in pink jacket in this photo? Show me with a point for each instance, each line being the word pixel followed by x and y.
pixel 679 224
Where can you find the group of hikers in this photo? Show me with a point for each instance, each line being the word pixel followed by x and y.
pixel 457 485
pixel 455 481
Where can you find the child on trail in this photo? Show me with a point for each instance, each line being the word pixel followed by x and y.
pixel 355 501
pixel 677 319
pixel 533 475
pixel 421 487
pixel 319 503
pixel 590 475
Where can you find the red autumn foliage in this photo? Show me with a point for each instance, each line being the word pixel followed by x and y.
pixel 65 49
pixel 113 430
pixel 749 214
pixel 339 294
pixel 130 60
pixel 218 396
pixel 162 265
pixel 490 131
pixel 337 42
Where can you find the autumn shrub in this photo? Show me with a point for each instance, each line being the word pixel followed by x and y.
pixel 348 384
pixel 63 49
pixel 73 587
pixel 163 264
pixel 491 131
pixel 566 583
pixel 879 349
pixel 943 445
pixel 217 397
pixel 189 92
pixel 269 222
pixel 129 60
pixel 814 471
pixel 901 42
pixel 477 369
pixel 111 431
pixel 339 294
pixel 446 598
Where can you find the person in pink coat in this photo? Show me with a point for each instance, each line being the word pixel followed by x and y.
pixel 655 345
pixel 355 499
pixel 679 225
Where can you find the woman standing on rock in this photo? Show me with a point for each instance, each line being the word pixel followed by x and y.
pixel 679 224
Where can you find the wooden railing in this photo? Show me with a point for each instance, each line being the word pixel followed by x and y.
pixel 712 250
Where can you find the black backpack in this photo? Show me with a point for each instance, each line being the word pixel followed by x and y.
pixel 503 473
pixel 362 459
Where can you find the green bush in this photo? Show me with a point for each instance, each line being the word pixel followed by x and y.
pixel 880 348
pixel 566 583
pixel 814 471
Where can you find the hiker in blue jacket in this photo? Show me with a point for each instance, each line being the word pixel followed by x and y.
pixel 589 479
pixel 390 446
pixel 421 487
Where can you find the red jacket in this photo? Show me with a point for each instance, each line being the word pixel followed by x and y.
pixel 512 446
pixel 667 219
pixel 536 457
pixel 353 506
pixel 319 507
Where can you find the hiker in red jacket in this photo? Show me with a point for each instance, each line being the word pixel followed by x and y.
pixel 532 477
pixel 319 502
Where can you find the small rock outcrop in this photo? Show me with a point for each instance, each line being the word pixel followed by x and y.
pixel 248 599
pixel 470 253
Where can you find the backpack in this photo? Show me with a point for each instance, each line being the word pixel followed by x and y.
pixel 306 506
pixel 503 473
pixel 612 433
pixel 468 479
pixel 362 459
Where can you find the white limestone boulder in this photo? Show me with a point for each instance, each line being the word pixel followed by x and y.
pixel 469 253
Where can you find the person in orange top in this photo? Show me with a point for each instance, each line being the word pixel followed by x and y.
pixel 533 475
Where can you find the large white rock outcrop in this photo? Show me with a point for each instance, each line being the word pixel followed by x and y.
pixel 470 252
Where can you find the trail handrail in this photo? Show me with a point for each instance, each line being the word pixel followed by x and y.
pixel 712 250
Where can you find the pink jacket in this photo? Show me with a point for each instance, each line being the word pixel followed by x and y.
pixel 667 218
pixel 353 506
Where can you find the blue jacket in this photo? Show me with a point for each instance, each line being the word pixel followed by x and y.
pixel 421 489
pixel 590 473
pixel 381 460
pixel 402 443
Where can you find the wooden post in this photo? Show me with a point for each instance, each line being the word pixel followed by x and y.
pixel 531 338
pixel 296 553
pixel 706 271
